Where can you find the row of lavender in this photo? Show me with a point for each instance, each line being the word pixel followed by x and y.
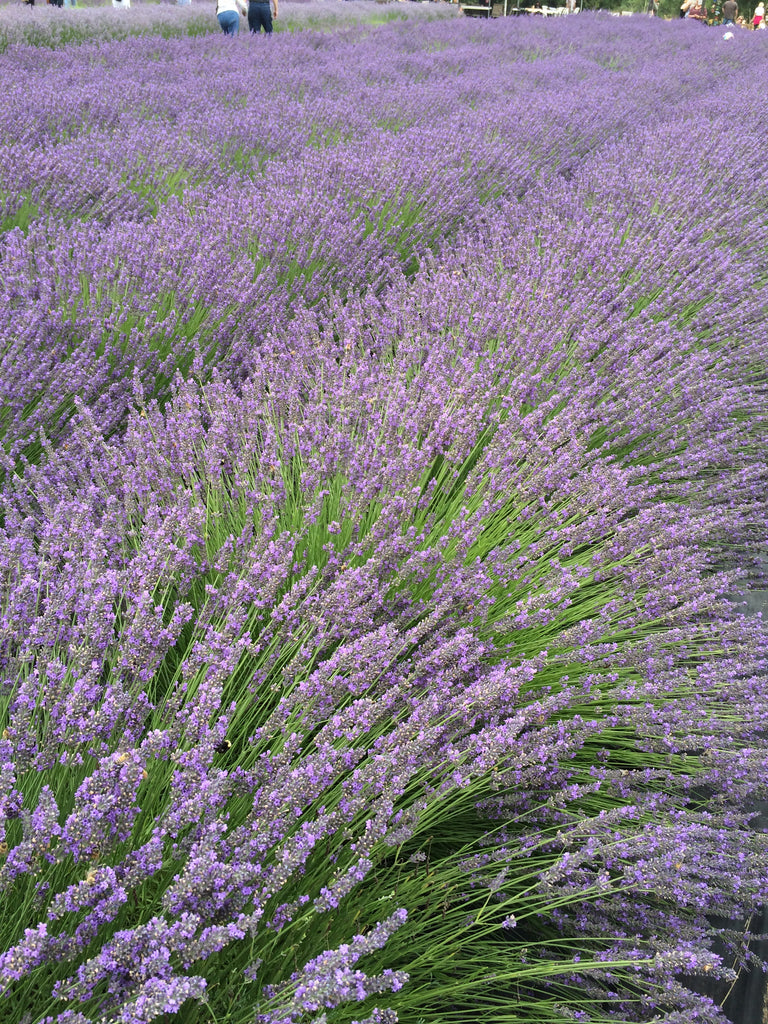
pixel 366 644
pixel 97 21
pixel 176 199
pixel 55 28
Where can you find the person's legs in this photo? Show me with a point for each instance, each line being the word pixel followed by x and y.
pixel 230 22
pixel 259 16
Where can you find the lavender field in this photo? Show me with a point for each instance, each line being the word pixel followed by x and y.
pixel 383 468
pixel 96 20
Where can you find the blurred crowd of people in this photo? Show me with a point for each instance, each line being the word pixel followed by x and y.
pixel 723 12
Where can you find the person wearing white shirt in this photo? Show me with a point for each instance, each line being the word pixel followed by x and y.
pixel 228 14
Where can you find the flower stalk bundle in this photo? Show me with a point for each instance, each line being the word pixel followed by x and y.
pixel 370 645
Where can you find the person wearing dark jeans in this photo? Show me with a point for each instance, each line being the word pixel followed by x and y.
pixel 260 16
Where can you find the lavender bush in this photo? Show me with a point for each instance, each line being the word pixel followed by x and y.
pixel 380 464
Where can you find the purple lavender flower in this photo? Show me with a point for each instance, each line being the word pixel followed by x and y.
pixel 382 455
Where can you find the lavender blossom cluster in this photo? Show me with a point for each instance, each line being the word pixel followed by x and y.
pixel 383 423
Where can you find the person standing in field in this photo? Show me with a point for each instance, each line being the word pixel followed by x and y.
pixel 759 15
pixel 228 15
pixel 260 16
pixel 730 12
